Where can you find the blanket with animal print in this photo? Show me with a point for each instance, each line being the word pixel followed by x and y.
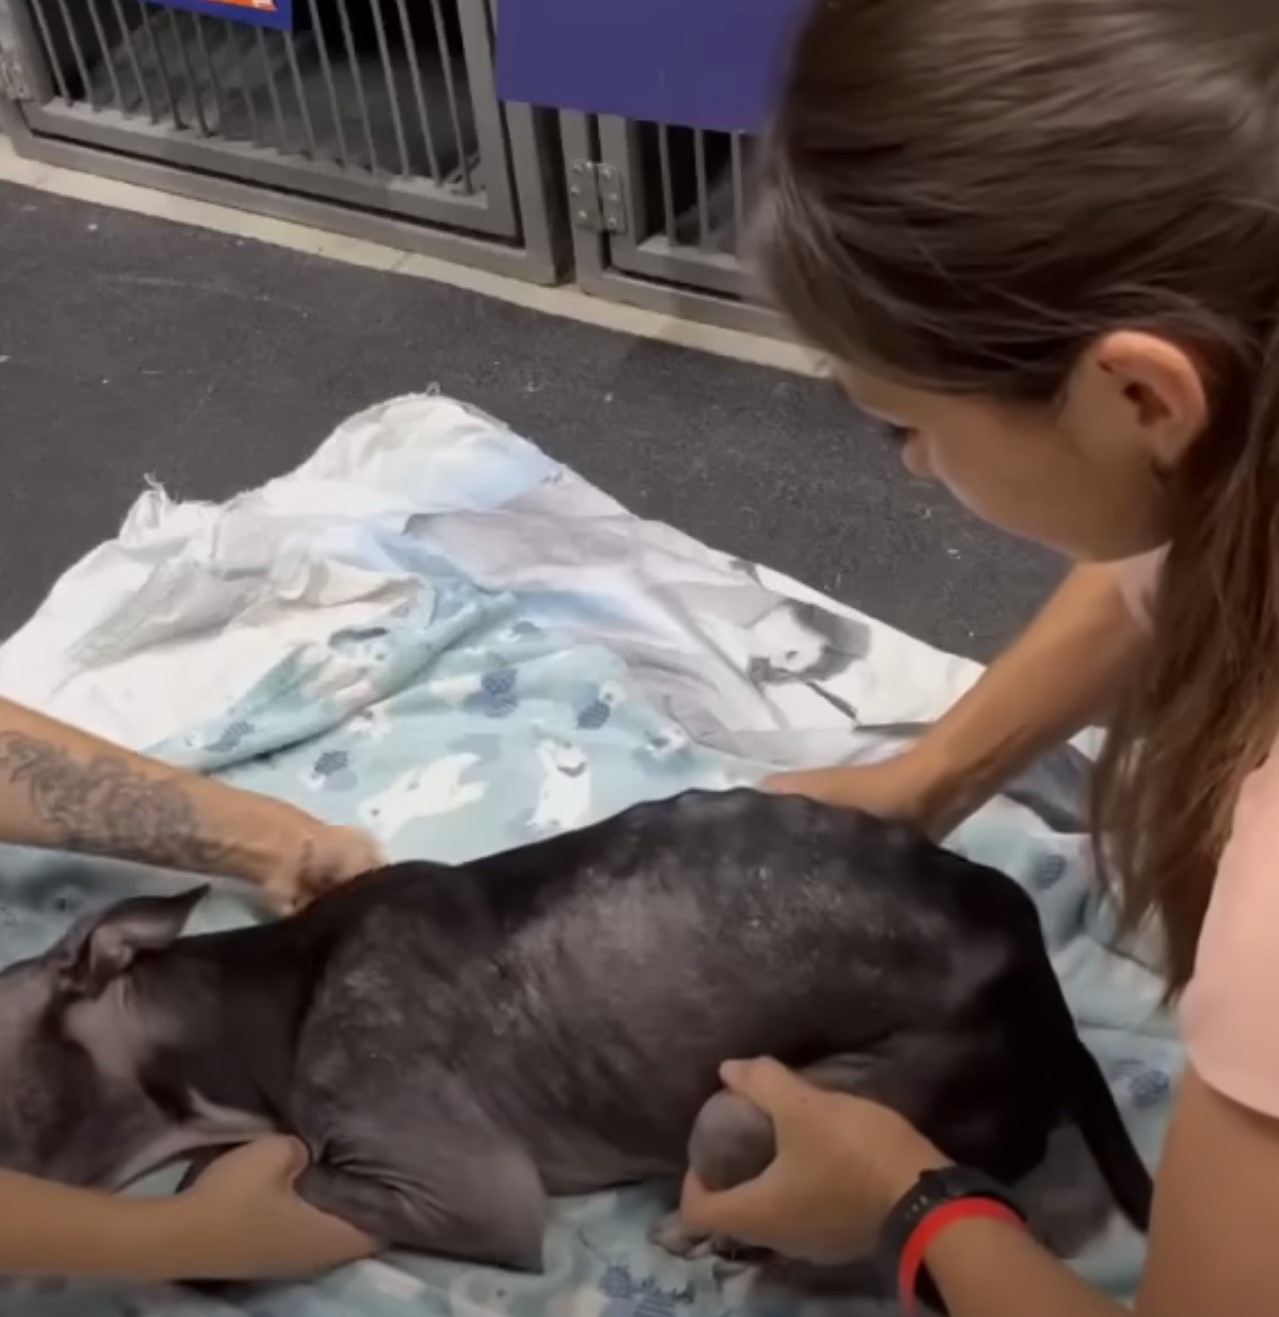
pixel 434 630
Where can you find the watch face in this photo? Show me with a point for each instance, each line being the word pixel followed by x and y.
pixel 953 1182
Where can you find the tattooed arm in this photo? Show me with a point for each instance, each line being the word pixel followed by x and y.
pixel 66 790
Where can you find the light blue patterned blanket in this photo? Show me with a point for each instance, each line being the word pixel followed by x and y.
pixel 435 631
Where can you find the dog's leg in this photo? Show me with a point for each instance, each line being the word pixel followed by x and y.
pixel 482 1204
pixel 430 1179
pixel 733 1142
pixel 403 1148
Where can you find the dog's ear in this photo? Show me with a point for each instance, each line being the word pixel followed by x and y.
pixel 101 946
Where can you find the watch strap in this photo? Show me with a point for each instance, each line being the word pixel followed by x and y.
pixel 938 1199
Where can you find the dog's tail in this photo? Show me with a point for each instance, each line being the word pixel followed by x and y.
pixel 1089 1101
pixel 1086 1099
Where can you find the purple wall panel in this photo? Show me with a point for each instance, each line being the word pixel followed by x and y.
pixel 707 63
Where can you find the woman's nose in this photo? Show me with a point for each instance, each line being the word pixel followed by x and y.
pixel 915 458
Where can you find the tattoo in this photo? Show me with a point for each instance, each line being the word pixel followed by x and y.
pixel 103 807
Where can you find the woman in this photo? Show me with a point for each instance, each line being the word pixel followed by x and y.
pixel 60 788
pixel 1040 240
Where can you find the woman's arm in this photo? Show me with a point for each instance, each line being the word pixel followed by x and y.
pixel 1212 1242
pixel 1064 672
pixel 241 1220
pixel 842 1163
pixel 64 789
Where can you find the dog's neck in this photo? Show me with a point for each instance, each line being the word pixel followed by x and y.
pixel 220 1016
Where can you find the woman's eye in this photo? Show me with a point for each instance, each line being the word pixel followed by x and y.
pixel 898 435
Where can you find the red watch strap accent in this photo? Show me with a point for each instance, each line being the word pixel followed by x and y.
pixel 926 1232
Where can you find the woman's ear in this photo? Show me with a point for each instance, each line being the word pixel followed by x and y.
pixel 1141 391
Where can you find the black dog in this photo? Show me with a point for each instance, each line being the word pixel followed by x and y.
pixel 454 1044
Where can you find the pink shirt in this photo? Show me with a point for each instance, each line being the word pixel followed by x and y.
pixel 1230 1010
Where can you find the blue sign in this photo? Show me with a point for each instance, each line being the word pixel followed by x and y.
pixel 265 13
pixel 705 63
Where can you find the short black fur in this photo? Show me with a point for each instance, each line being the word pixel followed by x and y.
pixel 557 1014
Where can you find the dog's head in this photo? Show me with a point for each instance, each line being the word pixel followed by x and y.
pixel 71 1104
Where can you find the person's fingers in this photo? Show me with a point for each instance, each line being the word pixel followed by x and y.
pixel 293 1156
pixel 749 1213
pixel 362 848
pixel 819 786
pixel 768 1084
pixel 346 853
pixel 273 1157
pixel 783 784
pixel 333 1239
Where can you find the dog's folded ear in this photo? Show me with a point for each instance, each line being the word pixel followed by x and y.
pixel 101 946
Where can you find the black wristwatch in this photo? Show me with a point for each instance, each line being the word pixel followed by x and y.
pixel 933 1190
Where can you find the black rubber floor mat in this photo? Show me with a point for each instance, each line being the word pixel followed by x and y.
pixel 132 347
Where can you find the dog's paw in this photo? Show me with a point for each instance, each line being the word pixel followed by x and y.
pixel 672 1235
pixel 733 1250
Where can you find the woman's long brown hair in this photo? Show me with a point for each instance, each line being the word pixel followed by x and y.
pixel 968 193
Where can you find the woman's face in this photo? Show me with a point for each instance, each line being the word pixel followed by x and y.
pixel 1086 476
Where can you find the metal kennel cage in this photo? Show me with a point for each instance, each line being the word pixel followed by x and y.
pixel 377 117
pixel 657 213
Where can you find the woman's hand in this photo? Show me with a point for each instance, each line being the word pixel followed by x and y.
pixel 1069 667
pixel 311 858
pixel 842 1164
pixel 907 787
pixel 243 1220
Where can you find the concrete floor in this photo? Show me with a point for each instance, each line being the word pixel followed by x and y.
pixel 132 347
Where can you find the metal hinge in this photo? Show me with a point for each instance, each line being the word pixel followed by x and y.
pixel 13 78
pixel 597 201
